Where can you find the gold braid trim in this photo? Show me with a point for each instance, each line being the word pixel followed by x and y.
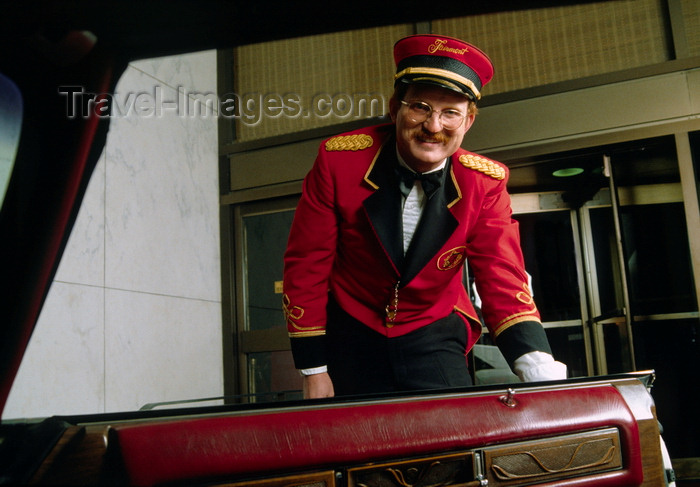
pixel 444 73
pixel 513 320
pixel 293 313
pixel 349 142
pixel 484 165
pixel 475 319
pixel 303 334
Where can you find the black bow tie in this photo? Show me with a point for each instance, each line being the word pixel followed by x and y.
pixel 430 181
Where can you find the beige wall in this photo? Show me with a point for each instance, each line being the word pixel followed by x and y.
pixel 627 110
pixel 624 108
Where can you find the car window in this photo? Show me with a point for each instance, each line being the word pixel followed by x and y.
pixel 133 313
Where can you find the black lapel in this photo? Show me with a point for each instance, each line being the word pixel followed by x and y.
pixel 383 207
pixel 434 228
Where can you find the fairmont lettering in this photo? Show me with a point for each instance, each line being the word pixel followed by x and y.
pixel 440 45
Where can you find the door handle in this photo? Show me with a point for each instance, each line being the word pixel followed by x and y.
pixel 613 316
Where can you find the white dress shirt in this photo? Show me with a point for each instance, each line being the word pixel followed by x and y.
pixel 413 205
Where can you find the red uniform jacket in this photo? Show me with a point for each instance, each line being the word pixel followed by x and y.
pixel 346 240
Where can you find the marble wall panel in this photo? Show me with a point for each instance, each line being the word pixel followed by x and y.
pixel 160 348
pixel 84 255
pixel 63 368
pixel 192 72
pixel 162 230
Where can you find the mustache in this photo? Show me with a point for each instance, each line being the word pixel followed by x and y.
pixel 424 136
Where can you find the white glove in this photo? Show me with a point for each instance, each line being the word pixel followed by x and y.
pixel 538 366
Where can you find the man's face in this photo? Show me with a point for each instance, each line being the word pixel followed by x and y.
pixel 424 145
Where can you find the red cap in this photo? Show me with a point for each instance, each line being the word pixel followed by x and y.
pixel 445 61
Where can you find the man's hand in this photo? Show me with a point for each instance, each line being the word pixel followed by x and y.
pixel 318 385
pixel 538 366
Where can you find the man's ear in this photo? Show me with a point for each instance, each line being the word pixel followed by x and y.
pixel 469 121
pixel 394 105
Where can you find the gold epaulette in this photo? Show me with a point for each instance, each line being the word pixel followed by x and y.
pixel 349 142
pixel 484 165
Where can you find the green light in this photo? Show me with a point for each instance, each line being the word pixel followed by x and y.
pixel 569 171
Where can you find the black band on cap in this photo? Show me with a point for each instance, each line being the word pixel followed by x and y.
pixel 446 64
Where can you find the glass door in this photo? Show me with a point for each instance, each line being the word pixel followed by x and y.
pixel 265 359
pixel 662 305
pixel 605 240
pixel 553 258
pixel 607 246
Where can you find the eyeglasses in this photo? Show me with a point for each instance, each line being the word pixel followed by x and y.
pixel 419 112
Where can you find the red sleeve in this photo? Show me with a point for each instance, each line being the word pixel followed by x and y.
pixel 308 262
pixel 497 261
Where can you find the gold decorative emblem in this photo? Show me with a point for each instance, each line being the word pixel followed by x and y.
pixel 291 313
pixel 484 165
pixel 349 142
pixel 294 313
pixel 451 258
pixel 525 296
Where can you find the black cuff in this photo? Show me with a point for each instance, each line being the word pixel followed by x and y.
pixel 522 338
pixel 309 352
